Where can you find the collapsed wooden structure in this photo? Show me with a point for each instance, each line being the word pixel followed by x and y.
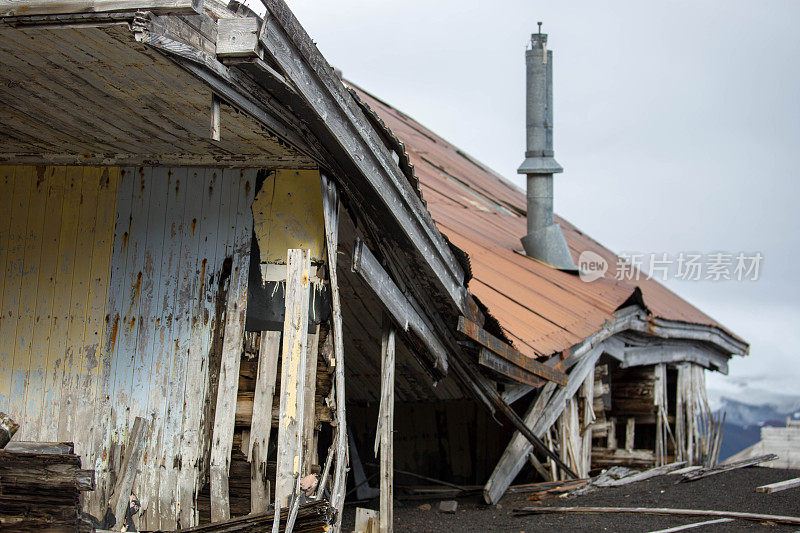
pixel 222 274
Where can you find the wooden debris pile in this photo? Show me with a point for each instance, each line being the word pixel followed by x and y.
pixel 40 485
pixel 312 517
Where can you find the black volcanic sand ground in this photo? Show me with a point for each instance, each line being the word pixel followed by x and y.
pixel 730 491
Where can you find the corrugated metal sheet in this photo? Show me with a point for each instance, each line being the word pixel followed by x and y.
pixel 542 310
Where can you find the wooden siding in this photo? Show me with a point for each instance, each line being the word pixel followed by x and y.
pixel 114 296
pixel 56 225
pixel 182 239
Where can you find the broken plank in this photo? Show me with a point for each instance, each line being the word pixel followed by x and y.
pixel 295 330
pixel 386 428
pixel 330 212
pixel 694 525
pixel 486 339
pixel 120 500
pixel 53 448
pixel 793 520
pixel 779 486
pixel 647 474
pixel 261 422
pixel 397 303
pixel 706 472
pixel 502 366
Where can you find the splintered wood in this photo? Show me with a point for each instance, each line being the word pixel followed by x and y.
pixel 40 491
pixel 295 330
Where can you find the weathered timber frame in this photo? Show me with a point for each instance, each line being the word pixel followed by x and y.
pixel 677 342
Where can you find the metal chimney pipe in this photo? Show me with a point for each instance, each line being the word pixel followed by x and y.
pixel 545 240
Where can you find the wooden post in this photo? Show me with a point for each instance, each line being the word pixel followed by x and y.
pixel 588 419
pixel 386 427
pixel 261 423
pixel 630 429
pixel 309 422
pixel 290 419
pixel 330 210
pixel 612 433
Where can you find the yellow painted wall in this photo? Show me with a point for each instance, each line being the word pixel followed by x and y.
pixel 287 213
pixel 56 233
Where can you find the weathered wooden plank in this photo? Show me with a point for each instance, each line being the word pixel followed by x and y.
pixel 236 308
pixel 237 37
pixel 486 339
pixel 10 8
pixel 31 229
pixel 706 472
pixel 502 366
pixel 261 423
pixel 120 499
pixel 148 360
pixel 309 421
pixel 290 428
pixel 134 237
pixel 779 486
pixel 14 244
pixel 51 195
pixel 330 210
pixel 188 267
pixel 386 428
pixel 88 429
pixel 398 304
pixel 216 231
pixel 55 448
pixel 693 525
pixel 115 309
pixel 6 205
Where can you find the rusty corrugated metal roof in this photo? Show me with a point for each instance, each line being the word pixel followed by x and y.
pixel 541 309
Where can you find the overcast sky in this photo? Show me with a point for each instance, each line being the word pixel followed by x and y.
pixel 677 124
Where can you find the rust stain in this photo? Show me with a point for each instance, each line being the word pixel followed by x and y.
pixel 194 225
pixel 114 331
pixel 137 288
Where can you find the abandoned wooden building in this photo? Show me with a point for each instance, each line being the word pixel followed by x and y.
pixel 224 268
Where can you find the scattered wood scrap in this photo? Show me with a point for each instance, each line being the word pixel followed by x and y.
pixel 779 486
pixel 705 472
pixel 647 474
pixel 7 429
pixel 40 491
pixel 312 516
pixel 554 488
pixel 754 517
pixel 694 525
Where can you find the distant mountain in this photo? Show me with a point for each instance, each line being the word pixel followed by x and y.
pixel 744 419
